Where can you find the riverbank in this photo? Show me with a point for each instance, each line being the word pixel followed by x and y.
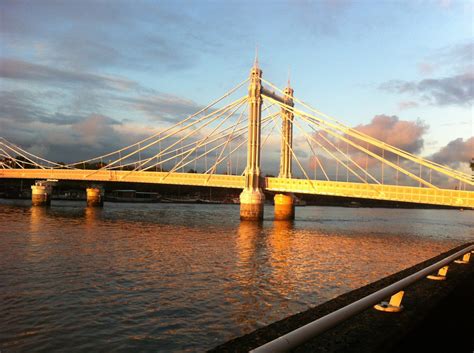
pixel 437 311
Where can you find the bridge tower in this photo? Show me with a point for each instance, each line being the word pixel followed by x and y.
pixel 285 203
pixel 252 197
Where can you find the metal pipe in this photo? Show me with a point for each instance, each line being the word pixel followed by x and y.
pixel 299 336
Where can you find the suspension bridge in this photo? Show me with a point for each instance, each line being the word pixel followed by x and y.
pixel 221 145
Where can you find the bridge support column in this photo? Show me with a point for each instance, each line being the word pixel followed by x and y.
pixel 252 198
pixel 285 203
pixel 251 205
pixel 41 194
pixel 284 207
pixel 95 197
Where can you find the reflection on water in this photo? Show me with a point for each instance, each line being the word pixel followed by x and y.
pixel 184 278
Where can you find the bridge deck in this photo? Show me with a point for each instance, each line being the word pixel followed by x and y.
pixel 444 197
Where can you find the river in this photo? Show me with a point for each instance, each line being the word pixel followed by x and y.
pixel 184 278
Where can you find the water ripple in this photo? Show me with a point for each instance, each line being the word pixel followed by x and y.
pixel 183 278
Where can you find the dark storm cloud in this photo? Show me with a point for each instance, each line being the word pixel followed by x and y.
pixel 454 90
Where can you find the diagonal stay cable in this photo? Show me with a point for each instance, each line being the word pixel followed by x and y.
pixel 361 136
pixel 331 154
pixel 229 138
pixel 241 132
pixel 207 107
pixel 316 122
pixel 171 134
pixel 316 156
pixel 220 160
pixel 294 155
pixel 232 110
pixel 235 105
pixel 345 155
pixel 202 141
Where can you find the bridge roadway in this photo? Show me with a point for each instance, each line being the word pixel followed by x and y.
pixel 444 197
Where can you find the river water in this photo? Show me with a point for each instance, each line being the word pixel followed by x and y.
pixel 184 278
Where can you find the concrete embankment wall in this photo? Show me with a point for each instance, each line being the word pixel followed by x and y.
pixel 444 305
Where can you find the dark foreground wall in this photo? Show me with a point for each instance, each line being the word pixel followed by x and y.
pixel 438 316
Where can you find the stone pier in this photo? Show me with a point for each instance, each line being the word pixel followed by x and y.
pixel 41 194
pixel 251 205
pixel 95 197
pixel 284 207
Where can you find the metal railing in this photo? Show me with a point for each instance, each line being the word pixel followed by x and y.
pixel 303 334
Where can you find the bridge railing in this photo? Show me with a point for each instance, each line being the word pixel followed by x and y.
pixel 456 198
pixel 303 334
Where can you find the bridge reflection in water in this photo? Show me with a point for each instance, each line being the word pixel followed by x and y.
pixel 188 277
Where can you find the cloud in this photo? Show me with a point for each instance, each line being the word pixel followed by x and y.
pixel 20 106
pixel 404 134
pixel 455 153
pixel 94 35
pixel 24 106
pixel 68 133
pixel 22 70
pixel 93 129
pixel 453 90
pixel 425 68
pixel 321 17
pixel 460 55
pixel 407 105
pixel 456 87
pixel 163 107
pixel 90 136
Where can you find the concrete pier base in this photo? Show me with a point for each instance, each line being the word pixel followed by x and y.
pixel 284 207
pixel 94 197
pixel 251 205
pixel 41 194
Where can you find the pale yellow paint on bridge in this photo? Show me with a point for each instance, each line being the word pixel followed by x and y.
pixel 195 179
pixel 444 197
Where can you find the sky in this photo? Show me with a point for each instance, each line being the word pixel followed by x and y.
pixel 80 78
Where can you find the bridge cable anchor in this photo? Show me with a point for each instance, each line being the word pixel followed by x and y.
pixel 465 259
pixel 394 306
pixel 441 275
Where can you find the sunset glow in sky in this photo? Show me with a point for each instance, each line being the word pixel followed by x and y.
pixel 78 78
